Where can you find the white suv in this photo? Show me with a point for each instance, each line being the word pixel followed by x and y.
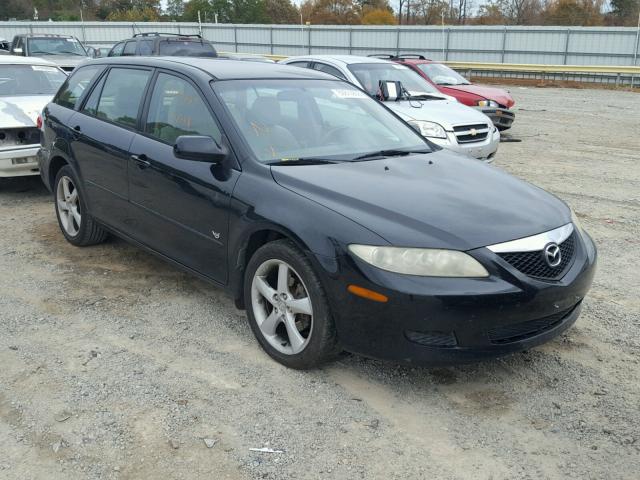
pixel 437 116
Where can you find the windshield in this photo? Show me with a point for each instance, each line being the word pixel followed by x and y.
pixel 187 48
pixel 55 46
pixel 442 75
pixel 321 119
pixel 370 74
pixel 29 80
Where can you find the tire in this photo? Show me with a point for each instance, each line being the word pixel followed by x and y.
pixel 272 320
pixel 74 220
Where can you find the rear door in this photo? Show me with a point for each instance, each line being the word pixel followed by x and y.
pixel 104 129
pixel 180 207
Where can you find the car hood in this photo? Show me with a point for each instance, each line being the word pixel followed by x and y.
pixel 21 111
pixel 436 200
pixel 65 61
pixel 490 93
pixel 446 113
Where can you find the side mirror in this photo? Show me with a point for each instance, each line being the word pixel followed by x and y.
pixel 199 148
pixel 17 51
pixel 390 90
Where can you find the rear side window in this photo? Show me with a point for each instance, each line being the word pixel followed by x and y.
pixel 72 90
pixel 177 109
pixel 299 64
pixel 187 48
pixel 145 47
pixel 129 49
pixel 121 95
pixel 116 51
pixel 329 69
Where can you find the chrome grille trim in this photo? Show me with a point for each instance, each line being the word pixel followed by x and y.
pixel 535 242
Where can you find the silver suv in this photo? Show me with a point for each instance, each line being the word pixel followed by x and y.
pixel 437 116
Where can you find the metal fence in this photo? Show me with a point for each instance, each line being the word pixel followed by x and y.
pixel 530 45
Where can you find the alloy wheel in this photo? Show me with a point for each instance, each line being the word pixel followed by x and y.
pixel 68 206
pixel 282 306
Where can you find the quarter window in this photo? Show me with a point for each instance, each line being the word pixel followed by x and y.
pixel 329 69
pixel 122 94
pixel 145 47
pixel 129 49
pixel 72 90
pixel 177 109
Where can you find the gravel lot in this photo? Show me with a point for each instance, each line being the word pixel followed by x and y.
pixel 116 365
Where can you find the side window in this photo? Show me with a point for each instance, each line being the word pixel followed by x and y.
pixel 145 47
pixel 329 69
pixel 129 49
pixel 177 109
pixel 121 95
pixel 116 51
pixel 299 64
pixel 91 105
pixel 71 91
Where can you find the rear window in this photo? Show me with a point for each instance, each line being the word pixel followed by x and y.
pixel 30 80
pixel 72 90
pixel 187 48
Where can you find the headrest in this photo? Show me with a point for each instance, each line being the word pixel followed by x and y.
pixel 265 111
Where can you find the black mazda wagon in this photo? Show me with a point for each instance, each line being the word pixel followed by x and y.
pixel 330 220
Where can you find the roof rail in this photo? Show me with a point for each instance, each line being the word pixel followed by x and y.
pixel 381 55
pixel 412 55
pixel 158 34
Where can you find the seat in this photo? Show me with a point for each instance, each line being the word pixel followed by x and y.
pixel 264 126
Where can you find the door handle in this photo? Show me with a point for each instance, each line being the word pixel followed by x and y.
pixel 76 131
pixel 142 160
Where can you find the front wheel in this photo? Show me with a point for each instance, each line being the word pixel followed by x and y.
pixel 287 308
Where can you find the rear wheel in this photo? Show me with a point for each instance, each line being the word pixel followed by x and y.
pixel 77 225
pixel 287 307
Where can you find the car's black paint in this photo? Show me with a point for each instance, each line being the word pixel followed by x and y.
pixel 208 218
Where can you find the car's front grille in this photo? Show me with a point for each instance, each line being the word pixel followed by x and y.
pixel 523 330
pixel 471 133
pixel 19 136
pixel 534 265
pixel 432 338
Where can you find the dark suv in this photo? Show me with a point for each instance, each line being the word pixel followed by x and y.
pixel 164 44
pixel 329 218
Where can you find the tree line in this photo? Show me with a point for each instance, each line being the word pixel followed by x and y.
pixel 334 12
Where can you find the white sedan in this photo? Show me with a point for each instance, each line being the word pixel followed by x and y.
pixel 27 84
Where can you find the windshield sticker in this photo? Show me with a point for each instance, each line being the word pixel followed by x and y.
pixel 348 93
pixel 43 68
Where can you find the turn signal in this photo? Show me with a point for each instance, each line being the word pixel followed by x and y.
pixel 368 294
pixel 39 122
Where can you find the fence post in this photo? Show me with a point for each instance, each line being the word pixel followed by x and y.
pixel 235 37
pixel 566 46
pixel 446 55
pixel 31 28
pixel 309 39
pixel 398 40
pixel 350 39
pixel 504 42
pixel 271 39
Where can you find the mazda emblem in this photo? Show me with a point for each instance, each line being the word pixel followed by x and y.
pixel 552 255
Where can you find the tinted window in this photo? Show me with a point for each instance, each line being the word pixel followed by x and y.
pixel 116 51
pixel 145 47
pixel 177 109
pixel 70 93
pixel 91 105
pixel 299 64
pixel 187 48
pixel 30 80
pixel 329 69
pixel 121 95
pixel 129 49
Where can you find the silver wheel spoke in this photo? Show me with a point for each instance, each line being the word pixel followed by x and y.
pixel 283 278
pixel 73 198
pixel 300 305
pixel 296 340
pixel 65 188
pixel 268 326
pixel 76 214
pixel 62 206
pixel 265 290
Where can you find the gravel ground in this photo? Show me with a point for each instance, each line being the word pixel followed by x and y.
pixel 116 365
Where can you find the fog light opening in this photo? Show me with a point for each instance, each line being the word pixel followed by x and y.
pixel 368 294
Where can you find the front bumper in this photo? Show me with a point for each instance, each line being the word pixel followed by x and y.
pixel 484 150
pixel 19 162
pixel 445 321
pixel 502 118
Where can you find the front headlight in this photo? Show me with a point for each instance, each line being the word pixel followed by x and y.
pixel 487 103
pixel 426 262
pixel 576 222
pixel 429 129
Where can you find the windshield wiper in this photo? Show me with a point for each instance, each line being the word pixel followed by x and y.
pixel 301 161
pixel 388 153
pixel 422 96
pixel 71 53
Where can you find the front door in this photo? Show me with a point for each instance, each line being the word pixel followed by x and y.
pixel 104 130
pixel 180 207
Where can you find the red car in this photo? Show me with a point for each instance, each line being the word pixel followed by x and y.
pixel 494 102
